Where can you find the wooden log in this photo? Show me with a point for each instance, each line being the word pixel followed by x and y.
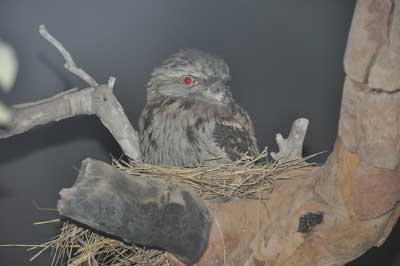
pixel 147 211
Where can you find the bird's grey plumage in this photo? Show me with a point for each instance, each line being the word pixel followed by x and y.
pixel 184 125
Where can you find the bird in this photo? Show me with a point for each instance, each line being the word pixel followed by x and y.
pixel 190 117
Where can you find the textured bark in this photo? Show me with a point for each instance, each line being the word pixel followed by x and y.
pixel 385 71
pixel 269 232
pixel 372 55
pixel 369 118
pixel 368 33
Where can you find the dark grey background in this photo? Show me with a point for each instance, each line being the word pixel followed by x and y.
pixel 285 57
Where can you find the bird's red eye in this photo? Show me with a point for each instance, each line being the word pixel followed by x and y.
pixel 187 80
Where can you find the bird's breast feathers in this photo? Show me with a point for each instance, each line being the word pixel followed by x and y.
pixel 185 132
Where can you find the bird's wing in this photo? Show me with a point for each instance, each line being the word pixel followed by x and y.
pixel 235 135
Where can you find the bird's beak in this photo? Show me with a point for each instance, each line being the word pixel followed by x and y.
pixel 216 90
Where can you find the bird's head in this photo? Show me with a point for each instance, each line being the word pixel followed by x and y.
pixel 191 73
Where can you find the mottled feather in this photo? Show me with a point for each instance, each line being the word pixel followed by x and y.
pixel 189 126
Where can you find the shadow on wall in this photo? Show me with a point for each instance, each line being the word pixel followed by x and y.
pixel 90 129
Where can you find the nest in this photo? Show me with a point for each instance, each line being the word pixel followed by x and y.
pixel 248 177
pixel 245 178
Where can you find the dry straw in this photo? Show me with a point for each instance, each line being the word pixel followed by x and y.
pixel 79 246
pixel 245 178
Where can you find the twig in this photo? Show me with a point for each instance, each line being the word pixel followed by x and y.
pixel 292 147
pixel 48 222
pixel 42 209
pixel 111 82
pixel 69 62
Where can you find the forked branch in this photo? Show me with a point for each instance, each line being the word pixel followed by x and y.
pixel 69 62
pixel 97 99
pixel 292 147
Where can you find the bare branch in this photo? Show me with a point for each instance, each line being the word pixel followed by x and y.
pixel 69 62
pixel 111 82
pixel 292 147
pixel 100 101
